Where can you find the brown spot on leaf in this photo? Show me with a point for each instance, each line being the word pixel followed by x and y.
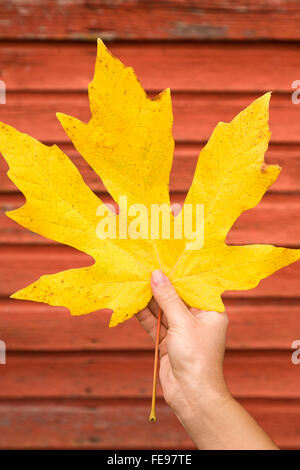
pixel 264 167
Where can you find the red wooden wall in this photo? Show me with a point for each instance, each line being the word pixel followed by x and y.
pixel 71 382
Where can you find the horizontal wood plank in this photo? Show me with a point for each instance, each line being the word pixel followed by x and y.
pixel 29 326
pixel 129 375
pixel 184 164
pixel 195 115
pixel 100 425
pixel 124 425
pixel 274 220
pixel 68 382
pixel 225 67
pixel 164 19
pixel 21 266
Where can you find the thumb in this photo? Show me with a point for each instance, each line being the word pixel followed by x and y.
pixel 168 299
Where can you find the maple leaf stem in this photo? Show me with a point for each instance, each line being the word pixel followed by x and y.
pixel 152 417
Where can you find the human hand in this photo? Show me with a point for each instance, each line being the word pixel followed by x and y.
pixel 192 345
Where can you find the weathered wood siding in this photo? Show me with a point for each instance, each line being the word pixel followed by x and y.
pixel 69 382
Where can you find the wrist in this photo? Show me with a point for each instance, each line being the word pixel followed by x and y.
pixel 198 411
pixel 193 400
pixel 221 423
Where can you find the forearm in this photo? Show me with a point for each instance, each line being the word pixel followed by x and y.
pixel 191 373
pixel 221 423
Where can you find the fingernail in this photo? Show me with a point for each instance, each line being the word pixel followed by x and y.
pixel 158 277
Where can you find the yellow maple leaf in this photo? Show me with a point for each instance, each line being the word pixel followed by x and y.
pixel 128 142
